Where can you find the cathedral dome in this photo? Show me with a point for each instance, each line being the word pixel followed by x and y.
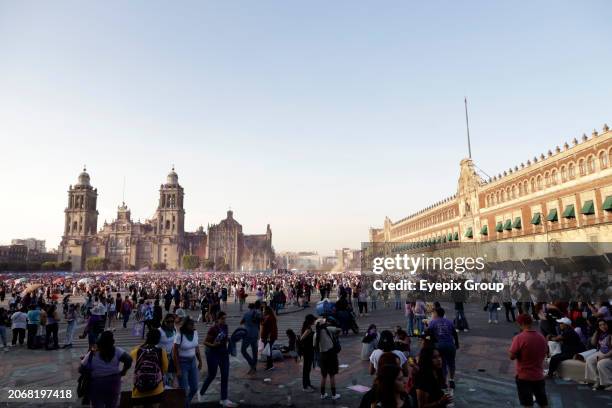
pixel 172 177
pixel 83 178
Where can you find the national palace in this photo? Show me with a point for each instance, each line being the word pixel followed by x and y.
pixel 562 196
pixel 162 240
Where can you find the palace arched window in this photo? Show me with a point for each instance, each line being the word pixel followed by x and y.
pixel 554 177
pixel 591 164
pixel 603 160
pixel 547 179
pixel 581 167
pixel 539 182
pixel 571 171
pixel 563 173
pixel 514 192
pixel 533 185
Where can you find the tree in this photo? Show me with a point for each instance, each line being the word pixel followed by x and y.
pixel 160 266
pixel 191 262
pixel 209 264
pixel 48 266
pixel 115 265
pixel 65 266
pixel 96 264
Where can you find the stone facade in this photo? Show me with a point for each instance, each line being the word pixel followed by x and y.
pixel 125 243
pixel 562 196
pixel 228 245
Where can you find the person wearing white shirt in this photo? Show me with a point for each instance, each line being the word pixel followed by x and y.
pixel 19 322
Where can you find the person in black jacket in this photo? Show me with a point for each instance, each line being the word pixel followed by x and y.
pixel 570 345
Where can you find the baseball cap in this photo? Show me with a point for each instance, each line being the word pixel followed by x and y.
pixel 565 320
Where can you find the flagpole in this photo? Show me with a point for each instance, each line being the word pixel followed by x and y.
pixel 467 126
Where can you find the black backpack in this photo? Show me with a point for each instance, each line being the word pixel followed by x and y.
pixel 148 372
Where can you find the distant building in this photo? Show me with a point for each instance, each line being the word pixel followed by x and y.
pixel 348 259
pixel 13 253
pixel 32 244
pixel 301 261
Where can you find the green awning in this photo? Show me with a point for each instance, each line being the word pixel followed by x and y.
pixel 569 211
pixel 588 208
pixel 607 205
pixel 484 230
pixel 517 223
pixel 537 218
pixel 499 227
pixel 449 237
pixel 456 236
pixel 552 215
pixel 508 225
pixel 469 233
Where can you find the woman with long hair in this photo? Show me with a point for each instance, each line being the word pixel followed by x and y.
pixel 386 344
pixel 185 353
pixel 429 381
pixel 390 388
pixel 217 357
pixel 269 334
pixel 598 368
pixel 307 351
pixel 148 388
pixel 103 364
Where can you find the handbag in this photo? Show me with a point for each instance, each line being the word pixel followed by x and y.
pixel 267 351
pixel 84 381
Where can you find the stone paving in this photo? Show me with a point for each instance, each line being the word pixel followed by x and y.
pixel 484 374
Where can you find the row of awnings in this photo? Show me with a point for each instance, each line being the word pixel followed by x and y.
pixel 588 208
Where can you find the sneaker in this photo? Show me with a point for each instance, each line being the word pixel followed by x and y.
pixel 308 389
pixel 496 321
pixel 227 403
pixel 335 397
pixel 324 396
pixel 465 330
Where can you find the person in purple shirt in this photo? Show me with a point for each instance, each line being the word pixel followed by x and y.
pixel 447 342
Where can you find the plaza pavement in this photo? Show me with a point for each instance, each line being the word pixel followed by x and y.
pixel 484 373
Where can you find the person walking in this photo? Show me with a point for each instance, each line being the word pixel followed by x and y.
pixel 126 311
pixel 19 323
pixel 409 314
pixel 251 322
pixel 326 342
pixel 529 349
pixel 185 354
pixel 4 323
pixel 167 333
pixel 33 317
pixel 217 358
pixel 447 342
pixel 420 311
pixel 103 364
pixel 51 327
pixel 71 316
pixel 307 351
pixel 492 308
pixel 151 363
pixel 269 334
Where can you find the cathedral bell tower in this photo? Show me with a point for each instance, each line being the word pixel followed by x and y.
pixel 81 222
pixel 170 216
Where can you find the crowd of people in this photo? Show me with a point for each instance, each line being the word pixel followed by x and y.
pixel 163 309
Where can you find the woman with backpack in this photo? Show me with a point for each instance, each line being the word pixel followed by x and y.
pixel 217 357
pixel 307 351
pixel 150 367
pixel 103 365
pixel 185 353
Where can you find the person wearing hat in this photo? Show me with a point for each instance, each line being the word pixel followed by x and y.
pixel 570 345
pixel 529 349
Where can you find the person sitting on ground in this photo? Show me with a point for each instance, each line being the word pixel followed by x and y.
pixel 570 345
pixel 387 345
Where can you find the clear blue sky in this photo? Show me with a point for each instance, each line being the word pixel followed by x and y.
pixel 317 117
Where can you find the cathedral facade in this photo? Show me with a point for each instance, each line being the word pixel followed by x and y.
pixel 160 242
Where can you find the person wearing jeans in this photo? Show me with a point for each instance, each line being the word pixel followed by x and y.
pixel 71 325
pixel 269 334
pixel 19 321
pixel 251 321
pixel 186 351
pixel 217 358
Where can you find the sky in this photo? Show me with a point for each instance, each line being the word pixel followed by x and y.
pixel 319 118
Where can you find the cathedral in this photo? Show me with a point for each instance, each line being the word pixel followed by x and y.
pixel 157 243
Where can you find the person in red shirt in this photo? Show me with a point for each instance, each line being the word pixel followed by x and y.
pixel 529 348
